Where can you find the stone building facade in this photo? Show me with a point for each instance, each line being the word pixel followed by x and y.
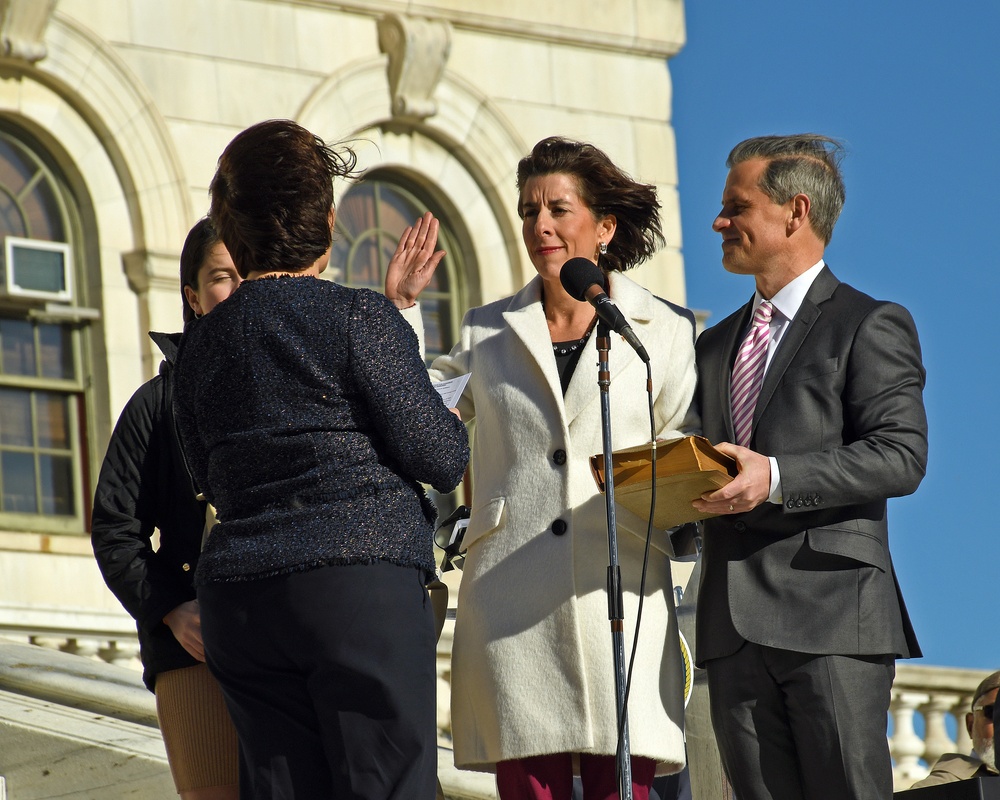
pixel 112 116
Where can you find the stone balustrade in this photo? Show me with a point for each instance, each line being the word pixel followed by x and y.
pixel 928 703
pixel 120 651
pixel 937 697
pixel 100 635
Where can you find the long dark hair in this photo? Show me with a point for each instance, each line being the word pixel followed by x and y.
pixel 198 244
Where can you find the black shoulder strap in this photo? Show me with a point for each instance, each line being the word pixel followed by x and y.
pixel 176 449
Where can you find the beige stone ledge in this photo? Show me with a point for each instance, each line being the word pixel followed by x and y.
pixel 61 544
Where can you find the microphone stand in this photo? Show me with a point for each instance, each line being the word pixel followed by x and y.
pixel 615 601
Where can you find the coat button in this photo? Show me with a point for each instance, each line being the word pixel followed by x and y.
pixel 186 567
pixel 817 500
pixel 789 503
pixel 559 527
pixel 808 501
pixel 799 503
pixel 740 526
pixel 559 456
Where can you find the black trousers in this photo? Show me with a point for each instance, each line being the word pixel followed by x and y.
pixel 795 726
pixel 329 677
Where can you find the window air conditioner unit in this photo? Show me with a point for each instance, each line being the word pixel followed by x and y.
pixel 37 270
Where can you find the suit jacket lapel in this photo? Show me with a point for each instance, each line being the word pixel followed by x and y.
pixel 798 329
pixel 526 320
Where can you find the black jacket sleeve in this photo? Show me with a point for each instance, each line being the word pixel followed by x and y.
pixel 133 498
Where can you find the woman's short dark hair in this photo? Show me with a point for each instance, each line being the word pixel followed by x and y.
pixel 605 190
pixel 272 195
pixel 197 247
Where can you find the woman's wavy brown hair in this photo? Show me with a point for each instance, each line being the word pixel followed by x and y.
pixel 605 190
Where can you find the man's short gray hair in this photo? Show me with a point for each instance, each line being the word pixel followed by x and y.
pixel 803 163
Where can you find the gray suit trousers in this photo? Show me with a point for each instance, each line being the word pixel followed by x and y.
pixel 795 726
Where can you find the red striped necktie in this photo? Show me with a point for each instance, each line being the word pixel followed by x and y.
pixel 748 372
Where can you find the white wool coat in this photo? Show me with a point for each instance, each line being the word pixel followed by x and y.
pixel 532 664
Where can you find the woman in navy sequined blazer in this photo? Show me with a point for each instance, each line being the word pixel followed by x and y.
pixel 309 421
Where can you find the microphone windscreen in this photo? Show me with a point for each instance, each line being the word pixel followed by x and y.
pixel 579 274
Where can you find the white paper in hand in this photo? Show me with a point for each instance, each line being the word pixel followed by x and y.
pixel 451 390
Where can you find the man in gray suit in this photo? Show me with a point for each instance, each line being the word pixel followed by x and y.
pixel 800 617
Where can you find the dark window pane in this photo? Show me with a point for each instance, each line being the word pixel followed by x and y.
pixel 56 478
pixel 363 269
pixel 396 212
pixel 17 471
pixel 15 417
pixel 439 281
pixel 31 207
pixel 53 420
pixel 56 351
pixel 338 254
pixel 18 341
pixel 431 312
pixel 15 169
pixel 387 243
pixel 11 219
pixel 356 212
pixel 44 215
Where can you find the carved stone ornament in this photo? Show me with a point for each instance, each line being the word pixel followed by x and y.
pixel 418 51
pixel 22 28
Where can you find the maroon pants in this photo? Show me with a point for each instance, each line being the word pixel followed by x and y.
pixel 551 777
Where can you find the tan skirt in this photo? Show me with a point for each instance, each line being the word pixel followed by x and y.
pixel 197 732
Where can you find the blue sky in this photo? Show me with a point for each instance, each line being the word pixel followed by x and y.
pixel 912 90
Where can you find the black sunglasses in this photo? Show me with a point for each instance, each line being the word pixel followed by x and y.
pixel 987 710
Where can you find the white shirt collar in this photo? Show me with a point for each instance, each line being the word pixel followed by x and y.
pixel 788 299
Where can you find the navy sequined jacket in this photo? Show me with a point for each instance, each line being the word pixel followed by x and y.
pixel 308 419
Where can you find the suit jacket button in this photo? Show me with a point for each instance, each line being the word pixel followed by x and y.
pixel 559 456
pixel 186 567
pixel 740 526
pixel 789 503
pixel 559 527
pixel 799 503
pixel 817 500
pixel 808 501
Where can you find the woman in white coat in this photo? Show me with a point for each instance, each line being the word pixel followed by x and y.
pixel 533 688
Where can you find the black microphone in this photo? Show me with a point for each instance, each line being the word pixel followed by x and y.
pixel 585 282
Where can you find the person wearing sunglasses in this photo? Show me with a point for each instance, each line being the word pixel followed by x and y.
pixel 979 723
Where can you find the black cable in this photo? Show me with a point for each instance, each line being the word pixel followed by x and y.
pixel 645 564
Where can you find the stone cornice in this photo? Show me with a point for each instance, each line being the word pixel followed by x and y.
pixel 658 35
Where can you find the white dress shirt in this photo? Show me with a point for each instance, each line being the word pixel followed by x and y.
pixel 786 302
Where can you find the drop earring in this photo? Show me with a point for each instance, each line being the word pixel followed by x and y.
pixel 603 247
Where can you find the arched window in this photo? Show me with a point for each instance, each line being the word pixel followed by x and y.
pixel 371 217
pixel 42 383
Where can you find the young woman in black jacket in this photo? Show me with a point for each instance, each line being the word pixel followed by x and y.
pixel 144 485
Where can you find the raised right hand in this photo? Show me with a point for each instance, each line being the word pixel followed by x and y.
pixel 412 265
